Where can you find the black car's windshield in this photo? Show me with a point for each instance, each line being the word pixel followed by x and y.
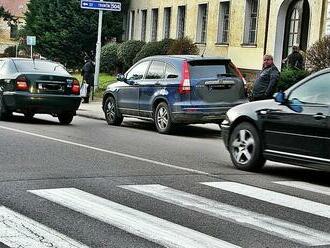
pixel 39 66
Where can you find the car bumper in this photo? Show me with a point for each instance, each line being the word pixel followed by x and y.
pixel 198 117
pixel 225 131
pixel 41 103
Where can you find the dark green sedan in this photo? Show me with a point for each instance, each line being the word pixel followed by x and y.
pixel 31 86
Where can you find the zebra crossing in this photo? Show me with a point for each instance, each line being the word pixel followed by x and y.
pixel 17 230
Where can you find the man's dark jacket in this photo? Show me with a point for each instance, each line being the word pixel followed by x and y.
pixel 88 72
pixel 296 60
pixel 266 82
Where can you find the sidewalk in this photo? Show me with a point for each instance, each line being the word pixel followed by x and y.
pixel 93 110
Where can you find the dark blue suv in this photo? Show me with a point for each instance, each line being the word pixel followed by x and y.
pixel 175 89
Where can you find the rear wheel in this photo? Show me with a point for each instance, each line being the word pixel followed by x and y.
pixel 28 115
pixel 245 148
pixel 112 115
pixel 65 118
pixel 4 113
pixel 162 117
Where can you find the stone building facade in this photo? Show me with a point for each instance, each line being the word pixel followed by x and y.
pixel 242 30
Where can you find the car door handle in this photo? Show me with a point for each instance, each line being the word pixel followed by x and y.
pixel 319 116
pixel 158 84
pixel 136 84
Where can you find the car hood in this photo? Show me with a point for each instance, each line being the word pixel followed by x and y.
pixel 251 109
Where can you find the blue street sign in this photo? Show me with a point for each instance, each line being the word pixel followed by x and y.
pixel 31 40
pixel 100 5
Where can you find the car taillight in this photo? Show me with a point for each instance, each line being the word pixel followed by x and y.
pixel 184 85
pixel 75 87
pixel 241 76
pixel 21 83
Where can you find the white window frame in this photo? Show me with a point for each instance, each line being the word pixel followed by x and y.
pixel 221 38
pixel 202 21
pixel 144 16
pixel 181 21
pixel 167 22
pixel 154 24
pixel 248 39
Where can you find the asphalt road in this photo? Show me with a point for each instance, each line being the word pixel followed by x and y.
pixel 90 184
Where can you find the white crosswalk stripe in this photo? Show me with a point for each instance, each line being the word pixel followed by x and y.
pixel 280 228
pixel 17 230
pixel 133 221
pixel 274 198
pixel 306 186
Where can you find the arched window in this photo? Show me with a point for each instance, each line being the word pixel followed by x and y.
pixel 294 29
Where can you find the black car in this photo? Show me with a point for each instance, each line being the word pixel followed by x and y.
pixel 31 86
pixel 292 128
pixel 175 89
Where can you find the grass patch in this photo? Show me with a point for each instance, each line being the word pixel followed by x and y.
pixel 105 80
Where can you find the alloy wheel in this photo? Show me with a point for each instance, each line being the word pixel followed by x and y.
pixel 243 146
pixel 162 118
pixel 111 111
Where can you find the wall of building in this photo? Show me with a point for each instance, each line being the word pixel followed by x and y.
pixel 246 57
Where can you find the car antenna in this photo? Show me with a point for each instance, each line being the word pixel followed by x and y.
pixel 203 52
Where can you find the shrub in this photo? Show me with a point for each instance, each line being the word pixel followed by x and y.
pixel 23 51
pixel 290 76
pixel 128 50
pixel 318 55
pixel 150 49
pixel 183 46
pixel 109 58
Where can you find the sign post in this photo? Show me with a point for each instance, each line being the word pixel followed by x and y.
pixel 31 41
pixel 100 6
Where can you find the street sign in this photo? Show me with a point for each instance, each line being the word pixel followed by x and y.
pixel 31 40
pixel 100 5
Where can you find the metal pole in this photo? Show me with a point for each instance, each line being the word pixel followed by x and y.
pixel 98 51
pixel 16 53
pixel 31 51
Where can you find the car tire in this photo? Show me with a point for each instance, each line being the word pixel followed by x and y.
pixel 65 118
pixel 4 113
pixel 162 119
pixel 245 148
pixel 111 112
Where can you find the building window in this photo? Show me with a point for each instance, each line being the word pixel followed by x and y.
pixel 223 26
pixel 13 31
pixel 144 24
pixel 202 23
pixel 181 21
pixel 327 31
pixel 251 21
pixel 154 25
pixel 294 30
pixel 167 22
pixel 132 24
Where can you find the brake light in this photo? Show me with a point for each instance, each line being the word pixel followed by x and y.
pixel 184 85
pixel 75 87
pixel 21 83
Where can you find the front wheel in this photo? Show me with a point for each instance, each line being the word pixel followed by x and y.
pixel 4 113
pixel 245 148
pixel 163 119
pixel 112 115
pixel 65 118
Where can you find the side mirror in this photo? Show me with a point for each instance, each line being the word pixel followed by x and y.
pixel 121 77
pixel 279 97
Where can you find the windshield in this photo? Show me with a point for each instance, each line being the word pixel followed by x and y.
pixel 40 66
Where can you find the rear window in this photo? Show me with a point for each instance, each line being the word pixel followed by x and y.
pixel 212 69
pixel 40 66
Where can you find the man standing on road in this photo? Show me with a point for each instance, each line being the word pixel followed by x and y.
pixel 266 81
pixel 88 76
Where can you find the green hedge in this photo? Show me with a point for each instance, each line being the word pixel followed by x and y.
pixel 109 58
pixel 128 50
pixel 290 76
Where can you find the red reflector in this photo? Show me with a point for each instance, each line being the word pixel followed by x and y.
pixel 184 85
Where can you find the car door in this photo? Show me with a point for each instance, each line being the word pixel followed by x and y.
pixel 299 128
pixel 128 94
pixel 153 82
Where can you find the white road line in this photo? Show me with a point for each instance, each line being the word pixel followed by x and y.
pixel 273 226
pixel 274 197
pixel 108 151
pixel 17 230
pixel 144 225
pixel 306 186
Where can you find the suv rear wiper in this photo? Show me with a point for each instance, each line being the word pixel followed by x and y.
pixel 226 75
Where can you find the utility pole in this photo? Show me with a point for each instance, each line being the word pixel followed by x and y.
pixel 98 51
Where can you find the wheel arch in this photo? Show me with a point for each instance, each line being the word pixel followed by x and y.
pixel 240 120
pixel 105 97
pixel 156 102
